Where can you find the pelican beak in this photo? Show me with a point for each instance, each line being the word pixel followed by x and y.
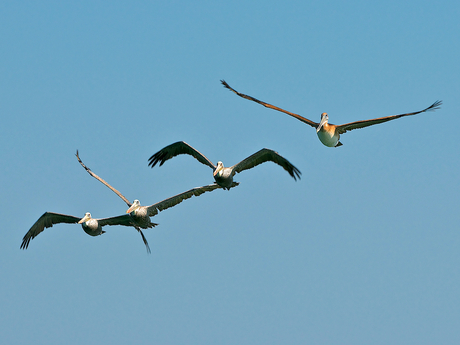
pixel 219 168
pixel 136 204
pixel 84 219
pixel 321 123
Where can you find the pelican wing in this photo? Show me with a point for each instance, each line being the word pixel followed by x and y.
pixel 47 220
pixel 181 147
pixel 263 156
pixel 365 123
pixel 297 116
pixel 124 219
pixel 177 199
pixel 101 180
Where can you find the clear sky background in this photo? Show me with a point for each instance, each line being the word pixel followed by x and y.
pixel 364 249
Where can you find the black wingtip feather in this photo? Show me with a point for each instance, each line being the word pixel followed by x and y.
pixel 435 105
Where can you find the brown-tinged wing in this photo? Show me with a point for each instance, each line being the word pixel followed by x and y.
pixel 297 116
pixel 103 181
pixel 365 123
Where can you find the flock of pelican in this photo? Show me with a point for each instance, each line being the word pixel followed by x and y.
pixel 138 216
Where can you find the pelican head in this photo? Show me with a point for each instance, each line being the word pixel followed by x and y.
pixel 85 218
pixel 136 204
pixel 219 168
pixel 324 120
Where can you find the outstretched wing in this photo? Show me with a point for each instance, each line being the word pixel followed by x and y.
pixel 263 156
pixel 101 180
pixel 177 199
pixel 181 147
pixel 297 116
pixel 365 123
pixel 124 219
pixel 47 220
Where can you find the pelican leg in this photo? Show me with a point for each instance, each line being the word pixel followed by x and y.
pixel 144 239
pixel 145 242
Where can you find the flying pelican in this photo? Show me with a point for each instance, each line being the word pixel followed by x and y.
pixel 92 226
pixel 222 175
pixel 328 133
pixel 140 215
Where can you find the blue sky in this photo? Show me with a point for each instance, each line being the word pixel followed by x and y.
pixel 363 249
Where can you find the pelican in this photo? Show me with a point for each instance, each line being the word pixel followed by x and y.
pixel 91 226
pixel 328 133
pixel 222 175
pixel 140 215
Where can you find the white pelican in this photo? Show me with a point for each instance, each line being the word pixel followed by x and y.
pixel 141 214
pixel 328 133
pixel 92 226
pixel 222 175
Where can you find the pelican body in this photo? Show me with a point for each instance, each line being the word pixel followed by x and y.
pixel 90 225
pixel 224 175
pixel 328 133
pixel 139 214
